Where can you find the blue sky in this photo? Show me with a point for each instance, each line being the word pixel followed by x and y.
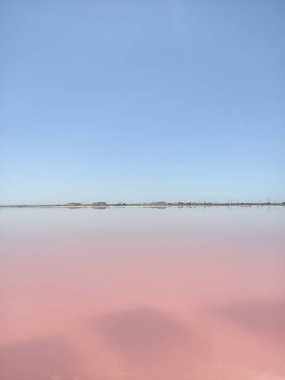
pixel 142 100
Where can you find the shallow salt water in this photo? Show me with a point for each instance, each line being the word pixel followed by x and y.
pixel 142 294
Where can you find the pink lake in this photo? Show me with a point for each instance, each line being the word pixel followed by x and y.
pixel 142 294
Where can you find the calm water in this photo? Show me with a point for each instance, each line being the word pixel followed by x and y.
pixel 142 294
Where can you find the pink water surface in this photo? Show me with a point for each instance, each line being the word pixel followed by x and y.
pixel 142 294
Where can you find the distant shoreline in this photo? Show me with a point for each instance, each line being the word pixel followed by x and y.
pixel 161 205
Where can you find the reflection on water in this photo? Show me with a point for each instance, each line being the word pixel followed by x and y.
pixel 145 332
pixel 139 331
pixel 142 294
pixel 263 318
pixel 35 359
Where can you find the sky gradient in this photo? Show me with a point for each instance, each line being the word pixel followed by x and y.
pixel 141 101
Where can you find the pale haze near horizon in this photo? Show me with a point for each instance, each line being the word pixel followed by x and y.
pixel 141 101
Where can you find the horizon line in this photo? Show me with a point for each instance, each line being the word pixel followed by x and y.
pixel 152 203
